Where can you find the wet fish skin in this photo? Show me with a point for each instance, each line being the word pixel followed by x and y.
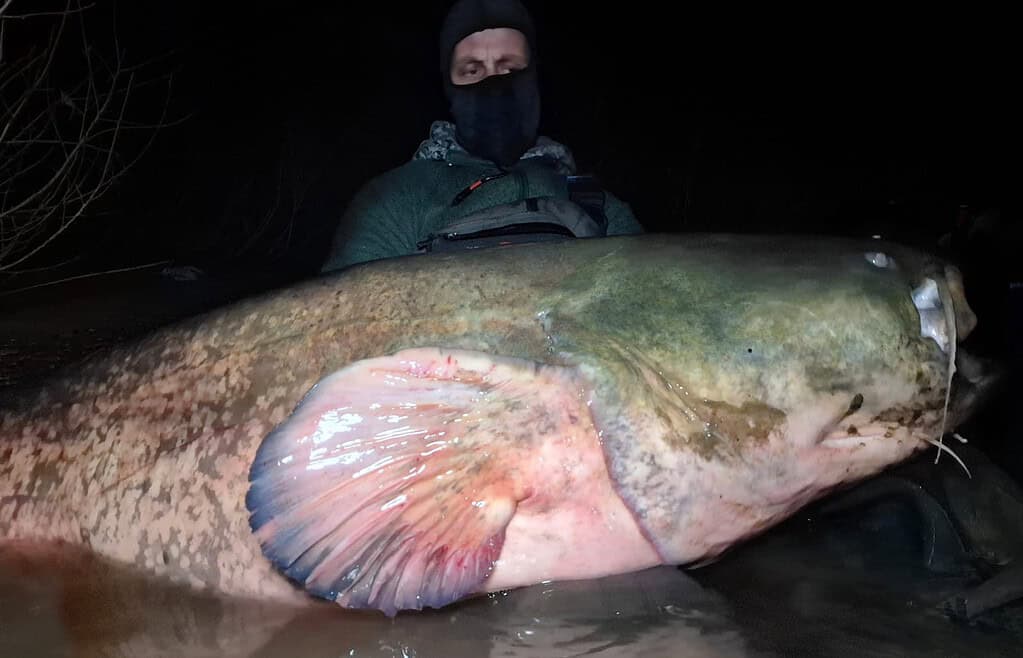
pixel 722 375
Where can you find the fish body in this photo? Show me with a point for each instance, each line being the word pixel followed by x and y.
pixel 413 431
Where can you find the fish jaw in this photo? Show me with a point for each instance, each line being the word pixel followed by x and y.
pixel 693 505
pixel 730 390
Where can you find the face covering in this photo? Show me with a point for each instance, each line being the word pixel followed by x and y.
pixel 498 117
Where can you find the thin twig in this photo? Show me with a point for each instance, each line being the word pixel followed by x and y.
pixel 119 270
pixel 39 14
pixel 70 134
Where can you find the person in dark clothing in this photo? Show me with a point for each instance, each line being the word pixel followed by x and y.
pixel 487 174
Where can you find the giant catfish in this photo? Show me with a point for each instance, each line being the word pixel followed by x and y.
pixel 414 431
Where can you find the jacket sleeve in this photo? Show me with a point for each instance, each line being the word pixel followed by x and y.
pixel 374 226
pixel 620 220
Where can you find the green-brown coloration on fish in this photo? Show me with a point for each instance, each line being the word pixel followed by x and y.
pixel 706 382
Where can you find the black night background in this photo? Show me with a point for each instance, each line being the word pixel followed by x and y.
pixel 272 115
pixel 235 133
pixel 855 123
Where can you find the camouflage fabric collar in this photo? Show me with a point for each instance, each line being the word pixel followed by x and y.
pixel 441 146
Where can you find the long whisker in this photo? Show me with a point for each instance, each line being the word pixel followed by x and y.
pixel 946 303
pixel 944 448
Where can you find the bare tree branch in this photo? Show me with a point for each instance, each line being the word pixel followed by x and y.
pixel 89 275
pixel 61 144
pixel 41 14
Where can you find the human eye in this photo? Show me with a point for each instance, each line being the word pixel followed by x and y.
pixel 509 65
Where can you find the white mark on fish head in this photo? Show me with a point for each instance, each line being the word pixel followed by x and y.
pixel 929 304
pixel 881 260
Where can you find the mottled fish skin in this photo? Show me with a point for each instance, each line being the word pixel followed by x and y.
pixel 143 455
pixel 726 357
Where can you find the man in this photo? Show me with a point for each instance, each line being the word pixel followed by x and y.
pixel 487 178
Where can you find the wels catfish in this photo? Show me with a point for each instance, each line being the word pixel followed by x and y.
pixel 415 431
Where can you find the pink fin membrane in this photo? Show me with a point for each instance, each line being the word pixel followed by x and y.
pixel 389 487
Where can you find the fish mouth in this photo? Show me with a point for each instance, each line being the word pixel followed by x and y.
pixel 946 317
pixel 973 383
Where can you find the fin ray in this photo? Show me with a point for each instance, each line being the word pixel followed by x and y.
pixel 381 490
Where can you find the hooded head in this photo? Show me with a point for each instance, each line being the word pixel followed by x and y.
pixel 495 103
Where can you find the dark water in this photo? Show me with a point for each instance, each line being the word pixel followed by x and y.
pixel 860 583
pixel 766 602
pixel 86 608
pixel 833 588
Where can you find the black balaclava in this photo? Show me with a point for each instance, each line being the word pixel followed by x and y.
pixel 498 117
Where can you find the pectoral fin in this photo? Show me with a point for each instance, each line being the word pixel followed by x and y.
pixel 390 486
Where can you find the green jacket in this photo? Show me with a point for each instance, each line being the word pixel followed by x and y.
pixel 392 213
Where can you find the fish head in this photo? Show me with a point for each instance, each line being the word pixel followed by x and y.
pixel 734 386
pixel 925 386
